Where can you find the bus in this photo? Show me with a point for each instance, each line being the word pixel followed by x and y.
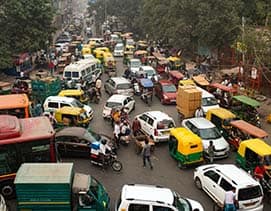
pixel 15 104
pixel 23 141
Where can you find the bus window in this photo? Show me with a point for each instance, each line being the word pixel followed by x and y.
pixel 75 74
pixel 83 73
pixel 68 74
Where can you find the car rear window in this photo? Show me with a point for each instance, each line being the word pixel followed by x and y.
pixel 249 193
pixel 124 86
pixel 165 124
pixel 113 104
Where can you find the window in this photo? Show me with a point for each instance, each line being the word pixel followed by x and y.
pixel 83 72
pixel 212 175
pixel 249 193
pixel 64 104
pixel 53 105
pixel 68 74
pixel 125 102
pixel 188 124
pixel 216 120
pixel 75 74
pixel 160 208
pixel 225 185
pixel 150 121
pixel 143 117
pixel 138 207
pixel 251 156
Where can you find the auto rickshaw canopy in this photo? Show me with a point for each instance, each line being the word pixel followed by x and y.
pixel 201 80
pixel 223 87
pixel 187 82
pixel 222 113
pixel 70 110
pixel 176 74
pixel 249 128
pixel 256 145
pixel 140 52
pixel 71 92
pixel 174 59
pixel 188 142
pixel 247 100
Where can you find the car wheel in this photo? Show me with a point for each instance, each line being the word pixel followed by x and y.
pixel 198 183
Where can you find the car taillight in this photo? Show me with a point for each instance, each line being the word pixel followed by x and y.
pixel 155 132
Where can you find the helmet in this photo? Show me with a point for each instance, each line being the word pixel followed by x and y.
pixel 104 141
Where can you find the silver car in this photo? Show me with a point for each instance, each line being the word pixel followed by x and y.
pixel 119 85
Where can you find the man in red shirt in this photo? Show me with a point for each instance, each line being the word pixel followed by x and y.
pixel 259 171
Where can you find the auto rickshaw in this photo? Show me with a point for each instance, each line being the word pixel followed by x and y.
pixel 146 89
pixel 246 108
pixel 251 152
pixel 201 81
pixel 223 93
pixel 99 52
pixel 142 45
pixel 187 82
pixel 142 55
pixel 221 118
pixel 128 54
pixel 71 116
pixel 242 130
pixel 75 93
pixel 161 63
pixel 175 63
pixel 185 147
pixel 86 50
pixel 175 76
pixel 110 64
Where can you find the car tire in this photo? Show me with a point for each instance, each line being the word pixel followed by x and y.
pixel 198 183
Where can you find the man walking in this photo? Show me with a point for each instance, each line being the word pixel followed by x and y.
pixel 147 154
pixel 230 200
pixel 211 151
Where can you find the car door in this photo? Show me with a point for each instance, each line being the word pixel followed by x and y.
pixel 143 122
pixel 128 102
pixel 150 126
pixel 108 86
pixel 210 183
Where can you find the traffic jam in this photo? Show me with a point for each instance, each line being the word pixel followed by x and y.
pixel 105 101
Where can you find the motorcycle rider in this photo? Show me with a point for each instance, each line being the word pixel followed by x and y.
pixel 104 151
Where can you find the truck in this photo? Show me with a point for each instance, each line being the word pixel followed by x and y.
pixel 55 186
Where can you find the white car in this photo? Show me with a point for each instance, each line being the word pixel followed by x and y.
pixel 216 179
pixel 150 197
pixel 150 72
pixel 156 124
pixel 118 85
pixel 118 50
pixel 119 101
pixel 134 65
pixel 207 131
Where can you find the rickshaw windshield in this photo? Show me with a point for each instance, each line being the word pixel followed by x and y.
pixel 76 103
pixel 209 133
pixel 169 88
pixel 209 101
pixel 112 104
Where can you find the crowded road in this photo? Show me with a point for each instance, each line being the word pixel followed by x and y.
pixel 165 172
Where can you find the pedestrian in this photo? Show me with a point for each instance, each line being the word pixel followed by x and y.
pixel 136 127
pixel 117 133
pixel 98 85
pixel 230 201
pixel 199 112
pixel 51 67
pixel 211 151
pixel 146 152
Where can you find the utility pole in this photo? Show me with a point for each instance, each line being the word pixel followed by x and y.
pixel 243 39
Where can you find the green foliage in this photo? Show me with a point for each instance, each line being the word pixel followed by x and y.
pixel 26 27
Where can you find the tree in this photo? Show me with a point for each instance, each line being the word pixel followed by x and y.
pixel 26 27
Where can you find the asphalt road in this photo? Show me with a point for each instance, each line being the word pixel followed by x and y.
pixel 165 172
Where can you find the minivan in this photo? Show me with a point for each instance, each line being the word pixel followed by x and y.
pixel 118 50
pixel 54 102
pixel 208 100
pixel 118 85
pixel 217 179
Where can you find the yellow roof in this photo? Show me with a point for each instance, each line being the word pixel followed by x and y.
pixel 256 145
pixel 173 58
pixel 70 92
pixel 186 82
pixel 185 135
pixel 222 113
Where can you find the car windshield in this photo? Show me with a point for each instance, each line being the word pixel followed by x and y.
pixel 76 103
pixel 209 133
pixel 165 124
pixel 124 86
pixel 135 63
pixel 112 104
pixel 249 193
pixel 209 101
pixel 169 88
pixel 150 72
pixel 92 136
pixel 119 48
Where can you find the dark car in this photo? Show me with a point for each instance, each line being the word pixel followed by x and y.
pixel 165 90
pixel 76 141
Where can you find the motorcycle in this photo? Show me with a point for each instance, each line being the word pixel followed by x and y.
pixel 109 160
pixel 94 96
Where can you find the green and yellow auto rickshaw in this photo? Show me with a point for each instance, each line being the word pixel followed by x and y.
pixel 251 152
pixel 185 147
pixel 175 63
pixel 71 116
pixel 221 118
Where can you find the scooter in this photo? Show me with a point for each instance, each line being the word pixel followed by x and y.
pixel 109 160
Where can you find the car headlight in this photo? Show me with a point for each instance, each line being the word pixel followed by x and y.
pixel 165 97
